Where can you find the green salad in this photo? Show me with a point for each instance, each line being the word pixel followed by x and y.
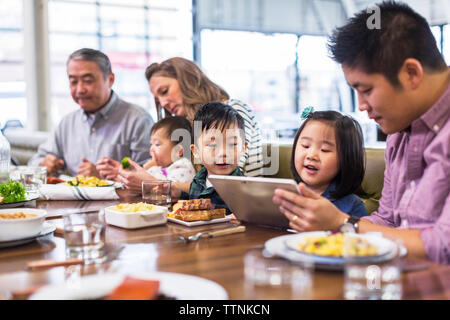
pixel 12 191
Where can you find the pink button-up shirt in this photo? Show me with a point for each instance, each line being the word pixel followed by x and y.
pixel 417 180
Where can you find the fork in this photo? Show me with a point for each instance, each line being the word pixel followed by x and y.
pixel 212 234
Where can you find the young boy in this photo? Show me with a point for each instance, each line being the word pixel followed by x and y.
pixel 218 147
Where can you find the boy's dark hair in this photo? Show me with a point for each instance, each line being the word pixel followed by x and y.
pixel 171 124
pixel 403 34
pixel 218 115
pixel 350 149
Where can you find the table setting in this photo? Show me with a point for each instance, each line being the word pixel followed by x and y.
pixel 98 246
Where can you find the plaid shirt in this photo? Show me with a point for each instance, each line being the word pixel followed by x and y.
pixel 198 189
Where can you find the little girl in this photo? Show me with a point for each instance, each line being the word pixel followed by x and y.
pixel 328 156
pixel 170 139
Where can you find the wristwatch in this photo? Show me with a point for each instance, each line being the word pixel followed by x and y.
pixel 350 225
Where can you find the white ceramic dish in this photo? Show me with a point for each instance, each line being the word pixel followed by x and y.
pixel 15 229
pixel 135 220
pixel 199 223
pixel 47 228
pixel 177 285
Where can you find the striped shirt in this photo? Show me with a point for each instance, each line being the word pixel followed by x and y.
pixel 251 163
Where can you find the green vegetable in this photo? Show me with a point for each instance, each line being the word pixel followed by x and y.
pixel 126 163
pixel 12 191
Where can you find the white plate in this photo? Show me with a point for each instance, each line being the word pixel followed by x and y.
pixel 199 223
pixel 177 285
pixel 47 228
pixel 28 197
pixel 110 184
pixel 384 246
pixel 278 246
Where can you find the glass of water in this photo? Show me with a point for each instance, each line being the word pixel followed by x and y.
pixel 367 279
pixel 85 236
pixel 268 277
pixel 32 177
pixel 157 192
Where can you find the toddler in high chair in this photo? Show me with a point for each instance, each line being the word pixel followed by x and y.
pixel 170 139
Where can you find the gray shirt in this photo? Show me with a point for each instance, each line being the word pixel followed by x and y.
pixel 118 130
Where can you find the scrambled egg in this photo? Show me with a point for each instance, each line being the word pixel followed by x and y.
pixel 17 215
pixel 133 207
pixel 333 246
pixel 81 181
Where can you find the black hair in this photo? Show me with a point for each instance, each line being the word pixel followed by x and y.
pixel 171 124
pixel 218 115
pixel 350 149
pixel 96 56
pixel 401 34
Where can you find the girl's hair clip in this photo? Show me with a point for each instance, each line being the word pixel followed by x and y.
pixel 306 112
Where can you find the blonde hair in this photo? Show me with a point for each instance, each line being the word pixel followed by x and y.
pixel 196 88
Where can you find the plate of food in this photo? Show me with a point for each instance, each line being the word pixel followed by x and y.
pixel 143 286
pixel 82 181
pixel 13 194
pixel 197 212
pixel 326 249
pixel 20 223
pixel 47 228
pixel 337 245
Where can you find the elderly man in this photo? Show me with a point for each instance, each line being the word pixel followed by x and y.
pixel 105 125
pixel 403 83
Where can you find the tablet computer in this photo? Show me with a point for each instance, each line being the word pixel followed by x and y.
pixel 250 198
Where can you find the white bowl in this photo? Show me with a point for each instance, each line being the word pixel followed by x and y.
pixel 16 229
pixel 134 220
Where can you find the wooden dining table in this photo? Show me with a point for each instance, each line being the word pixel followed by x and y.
pixel 158 248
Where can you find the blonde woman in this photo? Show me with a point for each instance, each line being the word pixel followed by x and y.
pixel 180 88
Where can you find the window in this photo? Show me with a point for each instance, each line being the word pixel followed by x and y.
pixel 12 67
pixel 278 75
pixel 446 50
pixel 256 68
pixel 132 34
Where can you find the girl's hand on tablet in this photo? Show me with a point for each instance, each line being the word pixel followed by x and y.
pixel 308 211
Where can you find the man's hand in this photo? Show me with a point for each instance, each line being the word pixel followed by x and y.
pixel 52 163
pixel 108 168
pixel 308 211
pixel 132 179
pixel 87 169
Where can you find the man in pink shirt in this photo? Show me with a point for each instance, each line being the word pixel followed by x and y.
pixel 403 83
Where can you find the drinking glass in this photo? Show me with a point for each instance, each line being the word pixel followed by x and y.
pixel 269 278
pixel 157 192
pixel 367 279
pixel 32 177
pixel 85 236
